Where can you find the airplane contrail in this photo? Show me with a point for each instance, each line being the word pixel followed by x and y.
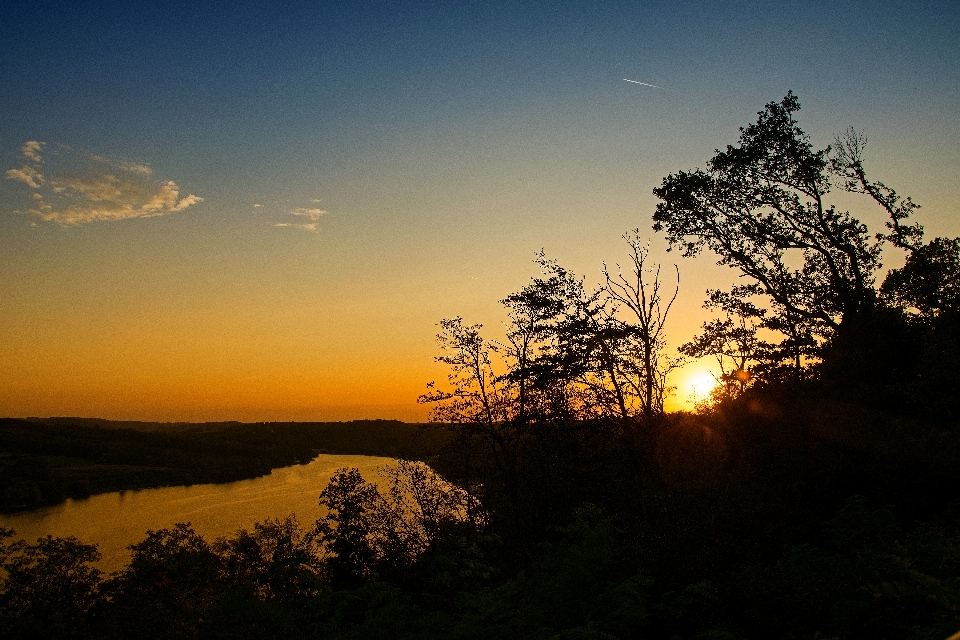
pixel 646 84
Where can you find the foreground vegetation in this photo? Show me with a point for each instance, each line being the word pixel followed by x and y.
pixel 814 496
pixel 783 513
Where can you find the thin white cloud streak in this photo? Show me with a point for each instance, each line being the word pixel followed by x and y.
pixel 646 84
pixel 83 187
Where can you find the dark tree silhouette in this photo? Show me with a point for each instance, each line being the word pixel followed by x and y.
pixel 172 581
pixel 760 207
pixel 731 341
pixel 570 353
pixel 578 369
pixel 46 588
pixel 348 531
pixel 367 532
pixel 639 293
pixel 278 560
pixel 929 282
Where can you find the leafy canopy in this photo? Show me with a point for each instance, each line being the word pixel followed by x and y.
pixel 760 207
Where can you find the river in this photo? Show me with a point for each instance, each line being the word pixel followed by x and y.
pixel 117 520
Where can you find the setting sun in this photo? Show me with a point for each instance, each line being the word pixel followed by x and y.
pixel 701 385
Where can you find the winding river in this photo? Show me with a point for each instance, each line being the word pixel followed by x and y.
pixel 117 520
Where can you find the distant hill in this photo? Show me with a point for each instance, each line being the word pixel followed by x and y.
pixel 136 425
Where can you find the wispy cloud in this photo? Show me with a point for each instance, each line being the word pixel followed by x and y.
pixel 77 187
pixel 307 226
pixel 126 165
pixel 27 174
pixel 31 150
pixel 312 213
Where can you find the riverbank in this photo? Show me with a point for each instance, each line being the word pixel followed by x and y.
pixel 114 521
pixel 45 461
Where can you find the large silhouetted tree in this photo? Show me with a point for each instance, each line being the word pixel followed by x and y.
pixel 760 207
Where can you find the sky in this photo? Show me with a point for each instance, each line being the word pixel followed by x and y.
pixel 262 210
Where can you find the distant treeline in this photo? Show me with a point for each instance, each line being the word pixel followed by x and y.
pixel 44 461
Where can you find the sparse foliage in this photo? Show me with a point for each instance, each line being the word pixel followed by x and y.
pixel 639 294
pixel 733 343
pixel 428 507
pixel 846 162
pixel 570 354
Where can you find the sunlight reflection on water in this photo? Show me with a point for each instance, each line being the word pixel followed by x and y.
pixel 116 520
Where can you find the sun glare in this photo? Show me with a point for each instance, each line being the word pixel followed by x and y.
pixel 702 384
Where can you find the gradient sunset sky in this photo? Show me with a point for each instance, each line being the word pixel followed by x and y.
pixel 261 211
